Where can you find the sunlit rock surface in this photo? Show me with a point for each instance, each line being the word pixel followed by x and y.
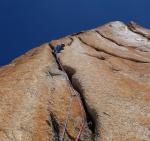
pixel 109 67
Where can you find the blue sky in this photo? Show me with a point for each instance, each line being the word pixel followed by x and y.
pixel 25 24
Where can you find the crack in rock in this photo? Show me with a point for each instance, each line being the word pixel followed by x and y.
pixel 112 54
pixel 139 30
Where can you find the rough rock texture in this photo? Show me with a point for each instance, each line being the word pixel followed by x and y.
pixel 112 72
pixel 34 99
pixel 109 66
pixel 139 29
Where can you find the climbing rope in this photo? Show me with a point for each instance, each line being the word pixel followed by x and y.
pixel 56 50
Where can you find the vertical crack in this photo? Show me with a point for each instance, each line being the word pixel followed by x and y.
pixel 90 118
pixel 90 113
pixel 52 122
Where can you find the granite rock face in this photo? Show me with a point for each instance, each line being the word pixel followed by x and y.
pixel 35 99
pixel 109 68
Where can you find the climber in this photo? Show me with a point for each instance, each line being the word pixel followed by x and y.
pixel 58 48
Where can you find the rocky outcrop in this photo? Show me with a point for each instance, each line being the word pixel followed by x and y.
pixel 139 29
pixel 108 68
pixel 35 100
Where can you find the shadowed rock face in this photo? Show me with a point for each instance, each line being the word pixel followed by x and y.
pixel 108 66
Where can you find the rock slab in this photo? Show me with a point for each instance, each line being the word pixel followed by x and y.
pixel 108 66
